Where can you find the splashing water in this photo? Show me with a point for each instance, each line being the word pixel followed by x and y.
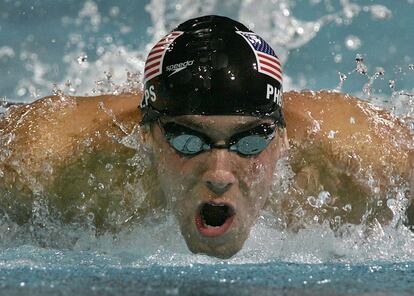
pixel 95 62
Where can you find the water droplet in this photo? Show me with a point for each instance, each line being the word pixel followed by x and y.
pixel 366 89
pixel 331 134
pixel 21 92
pixel 338 58
pixel 314 202
pixel 360 68
pixel 342 78
pixel 91 180
pixel 347 208
pixel 337 219
pixel 114 11
pixel 391 203
pixel 101 186
pixel 359 58
pixel 90 216
pixel 379 72
pixel 352 42
pixel 82 59
pixel 125 29
pixel 69 86
pixel 299 212
pixel 380 12
pixel 87 142
pixel 109 167
pixel 172 291
pixel 324 197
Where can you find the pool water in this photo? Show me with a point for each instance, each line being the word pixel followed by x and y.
pixel 364 48
pixel 273 278
pixel 153 260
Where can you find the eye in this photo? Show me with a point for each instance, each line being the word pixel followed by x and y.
pixel 187 144
pixel 251 145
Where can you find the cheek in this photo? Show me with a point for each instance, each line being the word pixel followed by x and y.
pixel 167 165
pixel 260 169
pixel 176 174
pixel 258 177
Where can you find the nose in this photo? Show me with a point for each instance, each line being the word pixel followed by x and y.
pixel 218 187
pixel 219 177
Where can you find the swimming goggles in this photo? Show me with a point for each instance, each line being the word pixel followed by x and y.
pixel 189 142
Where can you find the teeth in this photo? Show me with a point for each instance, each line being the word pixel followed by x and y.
pixel 209 226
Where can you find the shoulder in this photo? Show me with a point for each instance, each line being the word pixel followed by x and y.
pixel 351 129
pixel 51 129
pixel 331 111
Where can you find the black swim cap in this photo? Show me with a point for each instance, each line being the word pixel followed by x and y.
pixel 212 65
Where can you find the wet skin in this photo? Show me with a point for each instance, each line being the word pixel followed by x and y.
pixel 217 176
pixel 53 131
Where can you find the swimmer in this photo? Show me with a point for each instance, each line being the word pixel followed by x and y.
pixel 220 142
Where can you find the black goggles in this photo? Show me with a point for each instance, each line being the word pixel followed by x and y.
pixel 189 142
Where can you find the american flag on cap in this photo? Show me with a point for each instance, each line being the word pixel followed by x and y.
pixel 267 61
pixel 153 65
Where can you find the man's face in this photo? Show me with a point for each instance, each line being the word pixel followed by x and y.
pixel 216 195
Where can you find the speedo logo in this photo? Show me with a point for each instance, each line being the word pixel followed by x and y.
pixel 178 67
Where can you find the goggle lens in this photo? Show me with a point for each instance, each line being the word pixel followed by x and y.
pixel 250 145
pixel 189 142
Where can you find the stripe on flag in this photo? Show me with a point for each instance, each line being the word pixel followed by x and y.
pixel 267 61
pixel 153 65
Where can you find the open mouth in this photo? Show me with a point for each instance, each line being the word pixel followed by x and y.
pixel 213 219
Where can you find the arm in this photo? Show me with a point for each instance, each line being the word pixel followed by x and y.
pixel 350 128
pixel 346 147
pixel 53 146
pixel 51 129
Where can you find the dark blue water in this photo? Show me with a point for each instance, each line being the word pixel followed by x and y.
pixel 273 278
pixel 53 30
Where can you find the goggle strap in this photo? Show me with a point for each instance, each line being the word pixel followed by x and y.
pixel 151 114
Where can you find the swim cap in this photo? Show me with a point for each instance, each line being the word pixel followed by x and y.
pixel 212 65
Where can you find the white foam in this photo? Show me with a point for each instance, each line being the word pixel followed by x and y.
pixel 160 242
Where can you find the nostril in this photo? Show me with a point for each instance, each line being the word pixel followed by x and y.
pixel 218 187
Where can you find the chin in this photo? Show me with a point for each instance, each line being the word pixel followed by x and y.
pixel 223 247
pixel 224 251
